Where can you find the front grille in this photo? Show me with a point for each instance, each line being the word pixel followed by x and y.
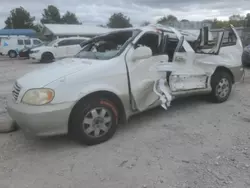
pixel 16 90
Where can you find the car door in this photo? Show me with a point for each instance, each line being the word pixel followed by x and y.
pixel 75 47
pixel 20 44
pixel 185 75
pixel 62 48
pixel 141 78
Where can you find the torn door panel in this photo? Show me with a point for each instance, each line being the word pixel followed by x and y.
pixel 144 95
pixel 183 82
pixel 163 91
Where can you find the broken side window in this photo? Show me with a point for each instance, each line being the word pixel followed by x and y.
pixel 107 46
pixel 206 47
pixel 170 45
pixel 150 40
pixel 229 38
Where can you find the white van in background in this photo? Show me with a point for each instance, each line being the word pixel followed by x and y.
pixel 57 49
pixel 11 45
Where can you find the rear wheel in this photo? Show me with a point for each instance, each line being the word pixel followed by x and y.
pixel 12 54
pixel 221 86
pixel 47 57
pixel 93 121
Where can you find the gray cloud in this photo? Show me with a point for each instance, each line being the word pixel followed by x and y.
pixel 98 11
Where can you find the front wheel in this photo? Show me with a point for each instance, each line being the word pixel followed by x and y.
pixel 12 54
pixel 94 121
pixel 47 57
pixel 221 86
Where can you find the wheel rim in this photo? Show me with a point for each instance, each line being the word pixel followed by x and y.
pixel 12 54
pixel 222 88
pixel 97 122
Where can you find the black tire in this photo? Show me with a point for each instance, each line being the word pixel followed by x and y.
pixel 221 83
pixel 80 114
pixel 12 54
pixel 47 57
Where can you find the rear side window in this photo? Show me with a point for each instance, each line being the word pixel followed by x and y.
pixel 20 42
pixel 64 43
pixel 27 42
pixel 36 42
pixel 77 41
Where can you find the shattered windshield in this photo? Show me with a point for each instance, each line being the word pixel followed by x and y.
pixel 107 46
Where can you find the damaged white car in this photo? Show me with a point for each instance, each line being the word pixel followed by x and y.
pixel 120 74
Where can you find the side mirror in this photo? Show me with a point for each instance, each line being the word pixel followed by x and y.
pixel 141 52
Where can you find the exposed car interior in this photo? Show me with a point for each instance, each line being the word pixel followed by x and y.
pixel 150 40
pixel 167 46
pixel 106 46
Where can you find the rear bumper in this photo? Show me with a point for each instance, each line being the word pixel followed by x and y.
pixel 44 120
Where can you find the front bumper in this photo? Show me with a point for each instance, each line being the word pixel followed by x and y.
pixel 35 56
pixel 46 120
pixel 24 54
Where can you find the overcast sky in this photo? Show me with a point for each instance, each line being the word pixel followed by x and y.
pixel 98 11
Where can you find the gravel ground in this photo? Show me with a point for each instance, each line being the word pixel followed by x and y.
pixel 194 144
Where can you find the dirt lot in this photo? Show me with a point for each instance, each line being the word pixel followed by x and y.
pixel 194 144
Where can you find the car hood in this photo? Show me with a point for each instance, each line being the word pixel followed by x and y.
pixel 41 48
pixel 59 69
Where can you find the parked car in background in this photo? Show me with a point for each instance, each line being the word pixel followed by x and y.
pixel 59 48
pixel 26 50
pixel 246 56
pixel 11 45
pixel 119 74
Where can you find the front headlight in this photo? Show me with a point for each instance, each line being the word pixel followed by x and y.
pixel 38 96
pixel 35 51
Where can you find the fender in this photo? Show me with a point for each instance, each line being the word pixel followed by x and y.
pixel 47 52
pixel 122 95
pixel 101 87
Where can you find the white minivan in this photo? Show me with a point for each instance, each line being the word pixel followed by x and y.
pixel 11 45
pixel 120 74
pixel 58 48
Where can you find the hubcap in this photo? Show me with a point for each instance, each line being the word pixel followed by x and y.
pixel 222 88
pixel 12 54
pixel 97 122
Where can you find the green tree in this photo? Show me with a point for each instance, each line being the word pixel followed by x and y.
pixel 247 20
pixel 172 18
pixel 70 18
pixel 217 24
pixel 167 20
pixel 162 20
pixel 19 18
pixel 118 20
pixel 237 20
pixel 145 23
pixel 184 20
pixel 38 27
pixel 51 15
